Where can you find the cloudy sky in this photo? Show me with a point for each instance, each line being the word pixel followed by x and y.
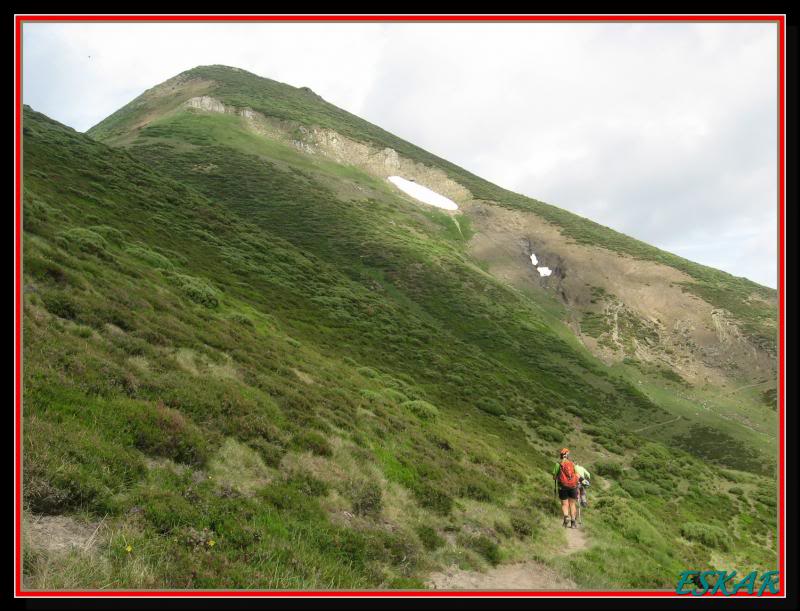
pixel 666 132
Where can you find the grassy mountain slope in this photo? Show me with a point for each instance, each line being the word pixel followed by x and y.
pixel 717 365
pixel 238 88
pixel 262 369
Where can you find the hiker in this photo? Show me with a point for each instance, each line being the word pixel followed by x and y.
pixel 583 483
pixel 567 482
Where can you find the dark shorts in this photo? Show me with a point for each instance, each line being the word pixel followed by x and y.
pixel 567 493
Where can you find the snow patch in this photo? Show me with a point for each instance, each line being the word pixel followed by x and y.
pixel 543 270
pixel 423 194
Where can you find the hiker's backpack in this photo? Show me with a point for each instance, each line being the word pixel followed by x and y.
pixel 567 477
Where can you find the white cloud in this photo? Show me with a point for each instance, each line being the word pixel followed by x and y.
pixel 663 131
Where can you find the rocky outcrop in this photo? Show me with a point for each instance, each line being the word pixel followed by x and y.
pixel 331 145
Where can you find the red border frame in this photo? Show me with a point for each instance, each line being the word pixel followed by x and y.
pixel 779 20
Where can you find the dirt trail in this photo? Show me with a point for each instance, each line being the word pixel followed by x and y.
pixel 650 426
pixel 528 575
pixel 576 541
pixel 518 576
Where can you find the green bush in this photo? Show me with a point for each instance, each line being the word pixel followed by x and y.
pixel 162 431
pixel 366 497
pixel 45 270
pixel 110 234
pixel 84 240
pixel 307 484
pixel 314 442
pixel 394 396
pixel 491 407
pixel 151 257
pixel 486 548
pixel 271 452
pixel 241 319
pixel 522 525
pixel 197 290
pixel 632 521
pixel 638 489
pixel 478 487
pixel 430 538
pixel 550 433
pixel 285 496
pixel 503 529
pixel 61 305
pixel 707 534
pixel 432 498
pixel 422 409
pixel 608 469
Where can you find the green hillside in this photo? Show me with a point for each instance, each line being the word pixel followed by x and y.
pixel 260 369
pixel 753 305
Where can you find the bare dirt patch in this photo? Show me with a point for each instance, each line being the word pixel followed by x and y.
pixel 693 339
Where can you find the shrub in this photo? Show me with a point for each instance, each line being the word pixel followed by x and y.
pixel 653 460
pixel 85 240
pixel 522 525
pixel 197 290
pixel 309 485
pixel 314 442
pixel 394 395
pixel 285 496
pixel 162 431
pixel 707 534
pixel 60 304
pixel 372 397
pixel 272 453
pixel 639 489
pixel 366 497
pixel 45 270
pixel 400 547
pixel 422 409
pixel 632 521
pixel 485 547
pixel 429 537
pixel 490 406
pixel 111 234
pixel 150 257
pixel 241 319
pixel 433 498
pixel 503 529
pixel 608 469
pixel 550 433
pixel 477 487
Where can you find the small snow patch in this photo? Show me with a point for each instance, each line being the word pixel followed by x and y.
pixel 423 194
pixel 543 271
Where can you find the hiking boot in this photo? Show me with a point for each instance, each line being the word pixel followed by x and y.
pixel 566 522
pixel 572 525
